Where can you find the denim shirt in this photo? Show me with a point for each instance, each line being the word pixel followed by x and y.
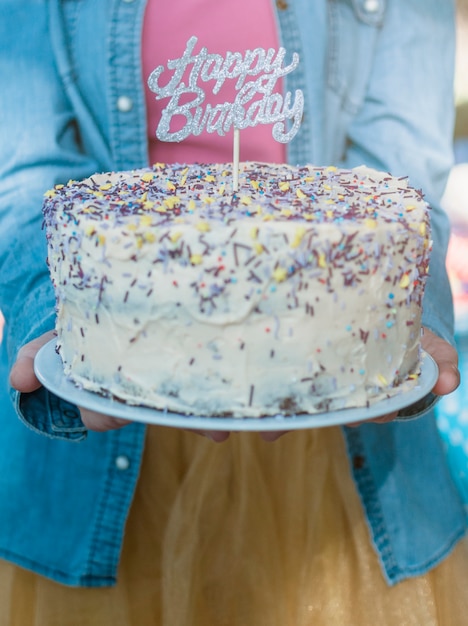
pixel 72 103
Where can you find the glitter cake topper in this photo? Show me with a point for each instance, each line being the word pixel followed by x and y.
pixel 264 68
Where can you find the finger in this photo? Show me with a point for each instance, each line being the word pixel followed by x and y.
pixel 271 436
pixel 446 358
pixel 99 422
pixel 449 378
pixel 22 376
pixel 218 436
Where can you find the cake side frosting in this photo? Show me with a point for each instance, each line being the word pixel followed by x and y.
pixel 301 292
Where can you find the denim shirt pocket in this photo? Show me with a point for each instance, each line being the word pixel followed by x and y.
pixel 354 27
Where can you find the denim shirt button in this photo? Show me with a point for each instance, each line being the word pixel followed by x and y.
pixel 124 104
pixel 122 462
pixel 371 6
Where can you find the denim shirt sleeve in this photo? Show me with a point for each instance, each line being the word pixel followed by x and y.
pixel 39 148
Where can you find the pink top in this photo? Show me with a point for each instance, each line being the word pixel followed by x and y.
pixel 167 28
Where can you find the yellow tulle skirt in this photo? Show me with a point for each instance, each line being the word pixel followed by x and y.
pixel 244 533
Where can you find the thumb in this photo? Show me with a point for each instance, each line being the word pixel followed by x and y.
pixel 22 376
pixel 446 358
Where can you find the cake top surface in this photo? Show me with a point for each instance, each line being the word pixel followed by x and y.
pixel 266 192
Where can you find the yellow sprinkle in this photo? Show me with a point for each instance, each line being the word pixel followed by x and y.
pixel 59 186
pixel 143 197
pixel 101 239
pixel 331 168
pixel 183 178
pixel 132 226
pixel 50 193
pixel 298 237
pixel 171 202
pixel 382 379
pixel 255 184
pixel 145 220
pixel 322 260
pixel 280 274
pixel 192 205
pixel 329 214
pixel 300 194
pixel 410 207
pixel 210 178
pixel 286 212
pixel 203 227
pixel 170 186
pixel 254 232
pixel 370 223
pixel 268 217
pixel 175 236
pixel 90 230
pixel 148 204
pixel 405 281
pixel 147 177
pixel 208 200
pixel 160 209
pixel 159 166
pixel 98 194
pixel 284 186
pixel 327 187
pixel 196 259
pixel 246 200
pixel 258 248
pixel 105 187
pixel 422 228
pixel 308 216
pixel 149 236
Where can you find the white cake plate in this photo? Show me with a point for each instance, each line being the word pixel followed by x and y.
pixel 49 371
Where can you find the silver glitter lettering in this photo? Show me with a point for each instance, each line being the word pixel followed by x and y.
pixel 256 72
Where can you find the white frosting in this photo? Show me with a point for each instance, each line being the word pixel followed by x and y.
pixel 299 293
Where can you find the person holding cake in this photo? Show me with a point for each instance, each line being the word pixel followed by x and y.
pixel 104 521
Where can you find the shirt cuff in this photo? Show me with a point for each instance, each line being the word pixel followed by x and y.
pixel 41 410
pixel 49 415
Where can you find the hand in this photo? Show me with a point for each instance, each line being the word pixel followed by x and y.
pixel 446 358
pixel 23 378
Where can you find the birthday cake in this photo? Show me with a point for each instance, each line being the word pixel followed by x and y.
pixel 298 293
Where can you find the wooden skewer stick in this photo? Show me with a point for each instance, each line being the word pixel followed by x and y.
pixel 235 160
